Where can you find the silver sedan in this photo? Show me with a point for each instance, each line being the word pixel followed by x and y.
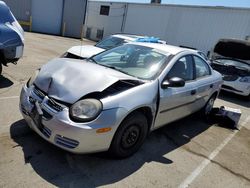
pixel 114 99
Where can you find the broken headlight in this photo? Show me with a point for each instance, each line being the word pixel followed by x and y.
pixel 245 79
pixel 32 78
pixel 86 110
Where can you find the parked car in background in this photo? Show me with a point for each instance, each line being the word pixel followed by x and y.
pixel 11 37
pixel 86 51
pixel 114 99
pixel 231 58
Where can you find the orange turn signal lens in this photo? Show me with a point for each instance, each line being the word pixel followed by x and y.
pixel 103 130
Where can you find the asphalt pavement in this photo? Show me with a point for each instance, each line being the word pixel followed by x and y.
pixel 186 153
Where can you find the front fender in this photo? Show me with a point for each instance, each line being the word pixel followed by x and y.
pixel 144 95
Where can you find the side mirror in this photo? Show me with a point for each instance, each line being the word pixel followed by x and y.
pixel 173 82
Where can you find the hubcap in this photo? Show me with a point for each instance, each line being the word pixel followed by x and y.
pixel 130 136
pixel 209 106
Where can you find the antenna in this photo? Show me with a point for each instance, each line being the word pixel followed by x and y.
pixel 81 49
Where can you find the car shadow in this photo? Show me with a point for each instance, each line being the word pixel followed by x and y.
pixel 234 98
pixel 64 169
pixel 5 82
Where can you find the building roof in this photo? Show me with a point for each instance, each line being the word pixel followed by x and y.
pixel 174 5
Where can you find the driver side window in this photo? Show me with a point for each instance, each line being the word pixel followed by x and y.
pixel 183 68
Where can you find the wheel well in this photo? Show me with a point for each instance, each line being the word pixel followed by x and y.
pixel 148 114
pixel 2 58
pixel 215 94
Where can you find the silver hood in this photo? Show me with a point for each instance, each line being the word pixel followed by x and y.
pixel 68 80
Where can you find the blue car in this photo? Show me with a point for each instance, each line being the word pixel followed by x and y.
pixel 11 37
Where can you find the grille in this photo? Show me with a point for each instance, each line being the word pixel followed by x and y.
pixel 46 115
pixel 52 104
pixel 32 100
pixel 230 77
pixel 39 93
pixel 66 142
pixel 46 132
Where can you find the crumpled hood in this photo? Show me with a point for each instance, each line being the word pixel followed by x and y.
pixel 69 80
pixel 85 51
pixel 232 48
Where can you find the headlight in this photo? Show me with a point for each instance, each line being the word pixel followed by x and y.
pixel 245 79
pixel 32 78
pixel 85 110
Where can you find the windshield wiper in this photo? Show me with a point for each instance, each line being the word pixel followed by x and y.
pixel 92 60
pixel 115 68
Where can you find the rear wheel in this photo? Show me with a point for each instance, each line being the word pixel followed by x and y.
pixel 209 106
pixel 130 135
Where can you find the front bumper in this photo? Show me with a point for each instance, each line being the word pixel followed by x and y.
pixel 12 53
pixel 236 87
pixel 60 130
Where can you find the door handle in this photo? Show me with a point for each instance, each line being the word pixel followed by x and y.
pixel 211 86
pixel 193 92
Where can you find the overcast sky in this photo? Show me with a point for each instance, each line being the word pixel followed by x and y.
pixel 231 3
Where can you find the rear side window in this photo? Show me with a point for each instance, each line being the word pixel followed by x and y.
pixel 183 68
pixel 201 67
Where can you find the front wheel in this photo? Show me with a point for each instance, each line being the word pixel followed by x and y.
pixel 130 135
pixel 248 97
pixel 1 68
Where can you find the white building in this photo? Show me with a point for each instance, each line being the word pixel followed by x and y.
pixel 199 27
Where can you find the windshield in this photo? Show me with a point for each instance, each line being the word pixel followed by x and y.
pixel 110 42
pixel 231 62
pixel 135 60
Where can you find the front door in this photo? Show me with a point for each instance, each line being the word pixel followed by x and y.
pixel 177 102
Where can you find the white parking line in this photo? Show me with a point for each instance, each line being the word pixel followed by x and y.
pixel 205 162
pixel 13 97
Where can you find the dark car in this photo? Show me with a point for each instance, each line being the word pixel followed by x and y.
pixel 11 37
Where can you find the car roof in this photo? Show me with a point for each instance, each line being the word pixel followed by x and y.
pixel 129 37
pixel 164 47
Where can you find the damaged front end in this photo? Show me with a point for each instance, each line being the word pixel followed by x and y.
pixel 65 88
pixel 232 59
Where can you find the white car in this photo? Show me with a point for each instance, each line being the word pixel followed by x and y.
pixel 231 58
pixel 112 100
pixel 86 51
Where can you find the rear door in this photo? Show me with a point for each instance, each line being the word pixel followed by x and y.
pixel 204 82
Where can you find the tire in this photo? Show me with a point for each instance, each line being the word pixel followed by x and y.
pixel 1 68
pixel 208 107
pixel 248 97
pixel 129 136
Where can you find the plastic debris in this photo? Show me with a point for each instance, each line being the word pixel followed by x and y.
pixel 226 117
pixel 148 39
